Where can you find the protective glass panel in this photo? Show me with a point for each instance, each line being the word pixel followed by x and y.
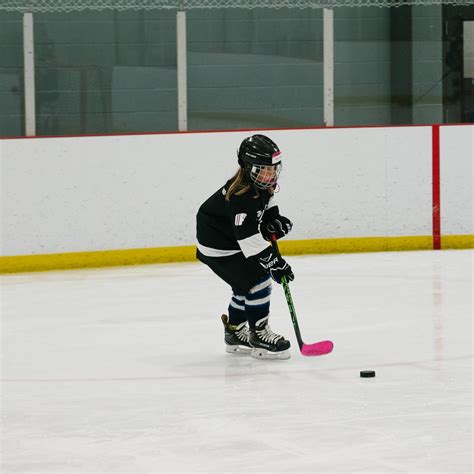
pixel 362 56
pixel 114 70
pixel 11 75
pixel 102 72
pixel 255 68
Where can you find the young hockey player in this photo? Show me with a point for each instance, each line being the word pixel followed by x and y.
pixel 234 228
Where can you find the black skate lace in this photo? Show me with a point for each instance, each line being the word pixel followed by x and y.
pixel 267 335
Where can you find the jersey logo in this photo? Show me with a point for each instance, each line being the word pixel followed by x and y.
pixel 259 215
pixel 239 219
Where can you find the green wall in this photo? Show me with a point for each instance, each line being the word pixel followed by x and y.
pixel 104 72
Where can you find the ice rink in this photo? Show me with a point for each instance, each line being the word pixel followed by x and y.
pixel 123 370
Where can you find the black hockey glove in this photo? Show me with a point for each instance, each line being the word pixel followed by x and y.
pixel 279 226
pixel 276 265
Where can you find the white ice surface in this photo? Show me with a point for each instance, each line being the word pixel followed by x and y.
pixel 124 370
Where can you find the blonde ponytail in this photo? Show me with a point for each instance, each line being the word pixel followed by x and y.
pixel 240 185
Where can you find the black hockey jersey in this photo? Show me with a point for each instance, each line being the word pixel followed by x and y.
pixel 226 228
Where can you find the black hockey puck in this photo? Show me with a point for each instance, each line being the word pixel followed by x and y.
pixel 367 373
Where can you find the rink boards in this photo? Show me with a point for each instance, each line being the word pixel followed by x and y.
pixel 114 200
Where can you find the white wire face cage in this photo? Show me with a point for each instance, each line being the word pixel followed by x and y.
pixel 265 176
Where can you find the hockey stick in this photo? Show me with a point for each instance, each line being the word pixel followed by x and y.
pixel 315 349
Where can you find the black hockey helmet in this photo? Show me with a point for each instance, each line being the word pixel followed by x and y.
pixel 260 157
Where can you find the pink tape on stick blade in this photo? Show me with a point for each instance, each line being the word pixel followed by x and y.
pixel 317 349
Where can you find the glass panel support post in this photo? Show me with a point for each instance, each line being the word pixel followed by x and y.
pixel 181 51
pixel 328 66
pixel 29 74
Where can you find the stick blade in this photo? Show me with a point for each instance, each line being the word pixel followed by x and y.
pixel 317 349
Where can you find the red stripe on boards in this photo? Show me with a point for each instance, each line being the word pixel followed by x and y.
pixel 436 189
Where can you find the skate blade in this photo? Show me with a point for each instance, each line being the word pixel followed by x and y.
pixel 258 353
pixel 238 350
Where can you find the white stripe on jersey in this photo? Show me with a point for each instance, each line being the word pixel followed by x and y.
pixel 210 252
pixel 253 245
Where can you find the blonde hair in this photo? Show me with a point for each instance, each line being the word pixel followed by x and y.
pixel 240 185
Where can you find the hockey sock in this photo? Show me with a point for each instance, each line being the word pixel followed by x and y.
pixel 257 301
pixel 237 310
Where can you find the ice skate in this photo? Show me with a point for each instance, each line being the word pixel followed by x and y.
pixel 266 344
pixel 236 337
